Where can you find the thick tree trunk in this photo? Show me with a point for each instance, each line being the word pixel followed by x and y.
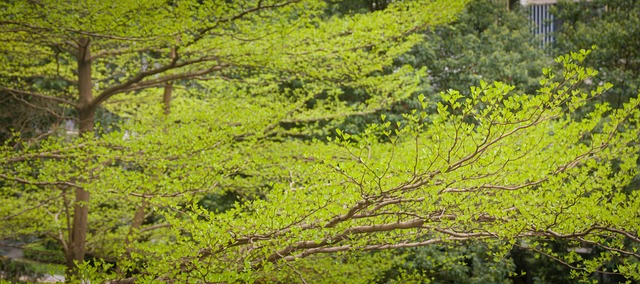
pixel 86 113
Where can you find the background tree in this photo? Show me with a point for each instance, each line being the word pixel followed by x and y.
pixel 485 42
pixel 613 26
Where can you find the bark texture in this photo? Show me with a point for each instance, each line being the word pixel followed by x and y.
pixel 86 113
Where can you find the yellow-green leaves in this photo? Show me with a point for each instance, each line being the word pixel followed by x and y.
pixel 250 79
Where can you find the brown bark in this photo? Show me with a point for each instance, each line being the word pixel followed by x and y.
pixel 85 94
pixel 168 87
pixel 138 218
pixel 166 98
pixel 86 112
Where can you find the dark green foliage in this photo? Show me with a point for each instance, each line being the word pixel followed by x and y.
pixel 614 27
pixel 17 271
pixel 356 6
pixel 487 42
pixel 535 268
pixel 23 114
pixel 219 201
pixel 465 264
pixel 47 251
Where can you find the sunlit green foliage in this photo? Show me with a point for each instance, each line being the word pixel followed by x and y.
pixel 492 167
pixel 508 170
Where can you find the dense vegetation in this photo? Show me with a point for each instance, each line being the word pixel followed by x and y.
pixel 320 141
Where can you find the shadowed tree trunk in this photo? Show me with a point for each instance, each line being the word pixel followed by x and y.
pixel 166 98
pixel 168 87
pixel 86 115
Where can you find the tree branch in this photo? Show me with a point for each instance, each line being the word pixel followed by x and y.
pixel 38 183
pixel 162 80
pixel 42 203
pixel 131 83
pixel 202 32
pixel 27 93
pixel 119 51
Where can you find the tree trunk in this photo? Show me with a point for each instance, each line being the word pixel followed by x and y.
pixel 168 87
pixel 166 98
pixel 138 219
pixel 86 113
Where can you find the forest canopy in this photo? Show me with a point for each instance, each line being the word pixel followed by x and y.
pixel 308 141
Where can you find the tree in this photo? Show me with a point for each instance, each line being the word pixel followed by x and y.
pixel 507 170
pixel 613 27
pixel 494 167
pixel 82 55
pixel 485 42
